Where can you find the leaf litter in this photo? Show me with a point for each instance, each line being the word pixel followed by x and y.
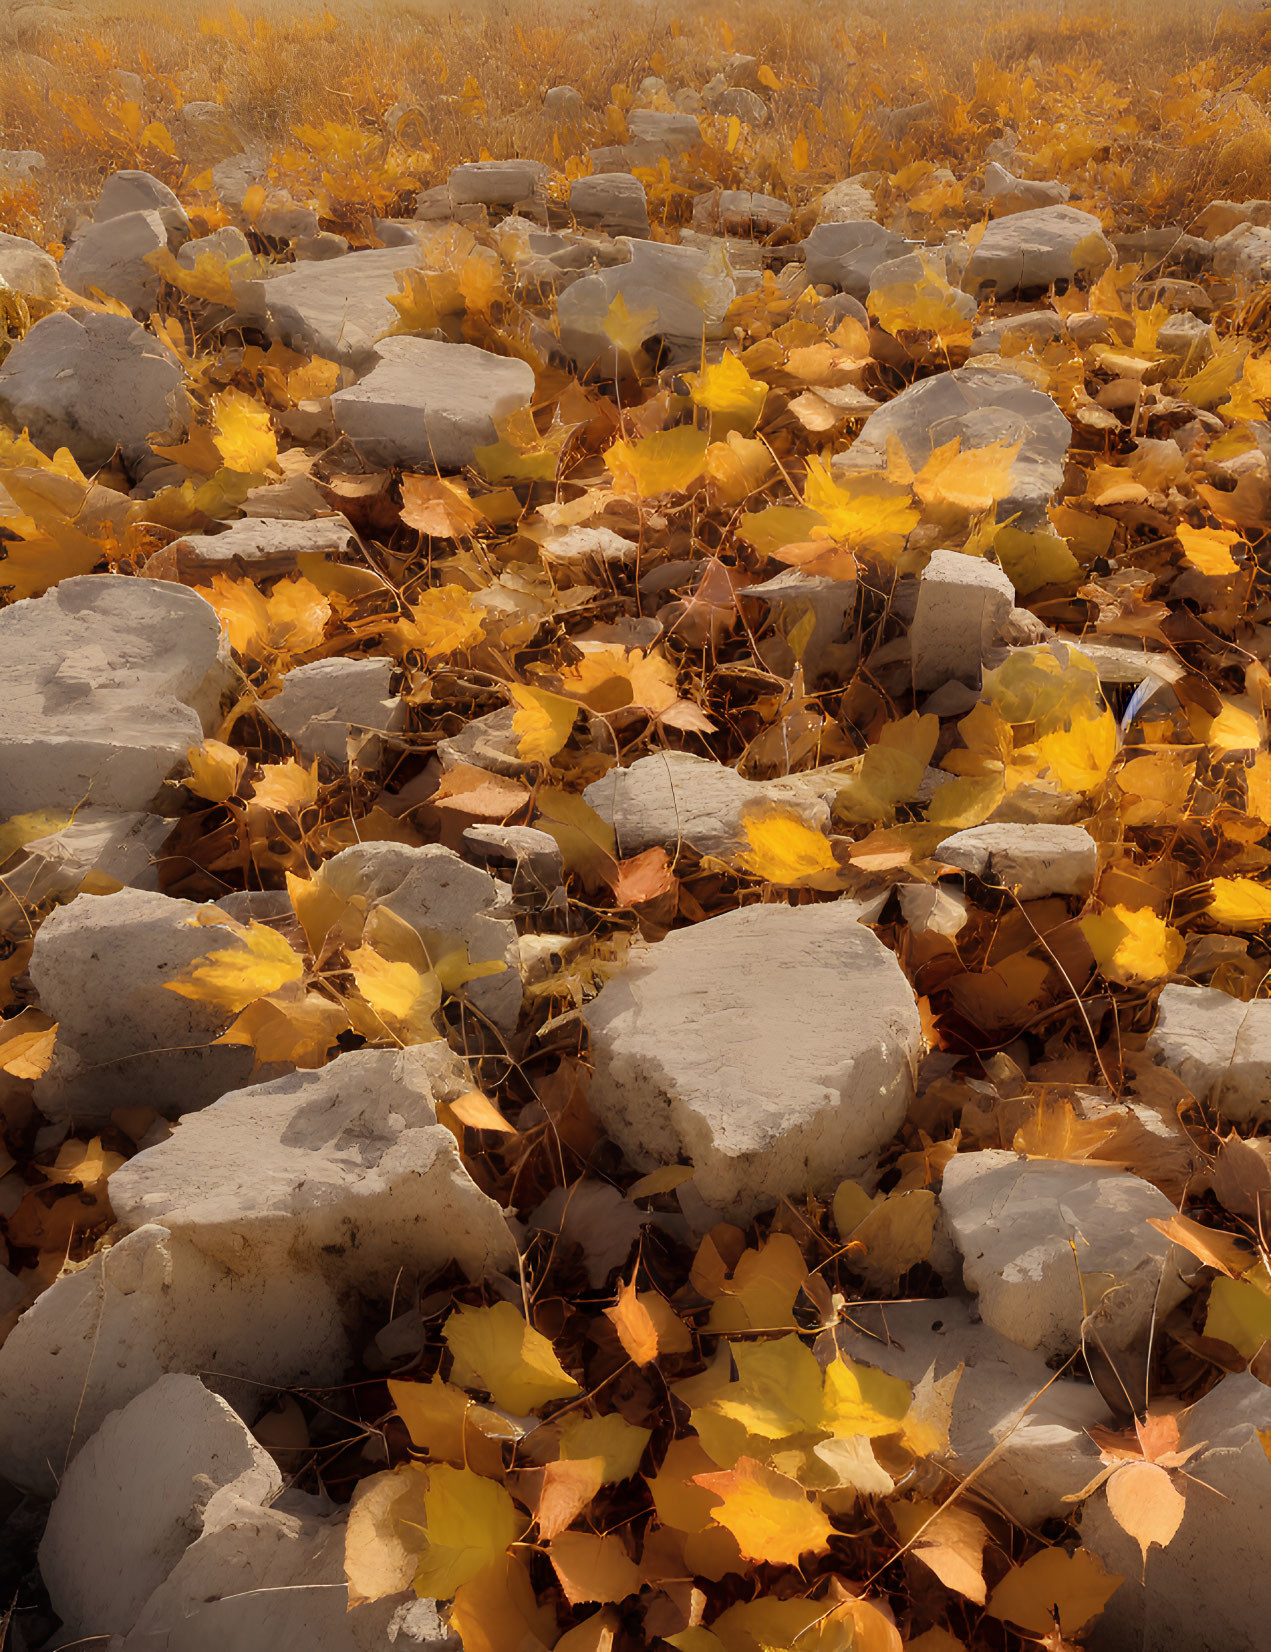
pixel 651 1434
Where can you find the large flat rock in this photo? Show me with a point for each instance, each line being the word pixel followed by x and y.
pixel 151 1303
pixel 130 1503
pixel 429 405
pixel 1219 1046
pixel 344 1171
pixel 108 682
pixel 979 407
pixel 101 967
pixel 1045 1243
pixel 93 383
pixel 336 310
pixel 773 1048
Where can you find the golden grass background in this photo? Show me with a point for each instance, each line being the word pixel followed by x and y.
pixel 1149 111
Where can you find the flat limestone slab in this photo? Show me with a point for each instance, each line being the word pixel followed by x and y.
pixel 773 1048
pixel 108 682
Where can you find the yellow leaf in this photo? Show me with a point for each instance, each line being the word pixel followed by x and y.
pixel 668 461
pixel 244 435
pixel 87 1164
pixel 1233 729
pixel 446 1423
pixel 593 1568
pixel 233 977
pixel 769 1514
pixel 1240 903
pixel 444 620
pixel 769 531
pixel 618 1443
pixel 290 620
pixel 215 770
pixel 895 1235
pixel 778 1389
pixel 736 467
pixel 542 722
pixel 635 1326
pixel 1146 1504
pixel 1209 549
pixel 868 513
pixel 286 787
pixel 26 1044
pixel 299 1030
pixel 1077 1587
pixel 495 1349
pixel 861 1400
pixel 1240 1311
pixel 471 1522
pixel 784 850
pixel 501 1610
pixel 403 997
pixel 1080 756
pixel 384 1533
pixel 726 390
pixel 927 304
pixel 950 1540
pixel 1032 560
pixel 1055 1132
pixel 799 153
pixel 1133 945
pixel 19 830
pixel 326 915
pixel 627 329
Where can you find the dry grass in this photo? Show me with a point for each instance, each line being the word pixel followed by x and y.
pixel 1150 111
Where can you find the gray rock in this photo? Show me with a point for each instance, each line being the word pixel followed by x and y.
pixel 1244 253
pixel 488 742
pixel 511 183
pixel 259 546
pixel 151 1303
pixel 612 201
pixel 1009 194
pixel 979 406
pixel 1036 249
pixel 1219 1047
pixel 127 192
pixel 1023 1434
pixel 668 134
pixel 740 101
pixel 110 257
pixel 1036 329
pixel 100 967
pixel 320 248
pixel 261 1579
pixel 1210 1587
pixel 429 405
pixel 563 103
pixel 343 1172
pixel 845 254
pixel 773 1048
pixel 790 596
pixel 673 798
pixel 109 681
pixel 27 268
pixel 337 309
pixel 21 163
pixel 531 859
pixel 848 202
pixel 1044 1242
pixel 676 293
pixel 283 218
pixel 1033 860
pixel 125 847
pixel 227 243
pixel 323 706
pixel 93 383
pixel 739 212
pixel 964 604
pixel 438 893
pixel 129 1504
